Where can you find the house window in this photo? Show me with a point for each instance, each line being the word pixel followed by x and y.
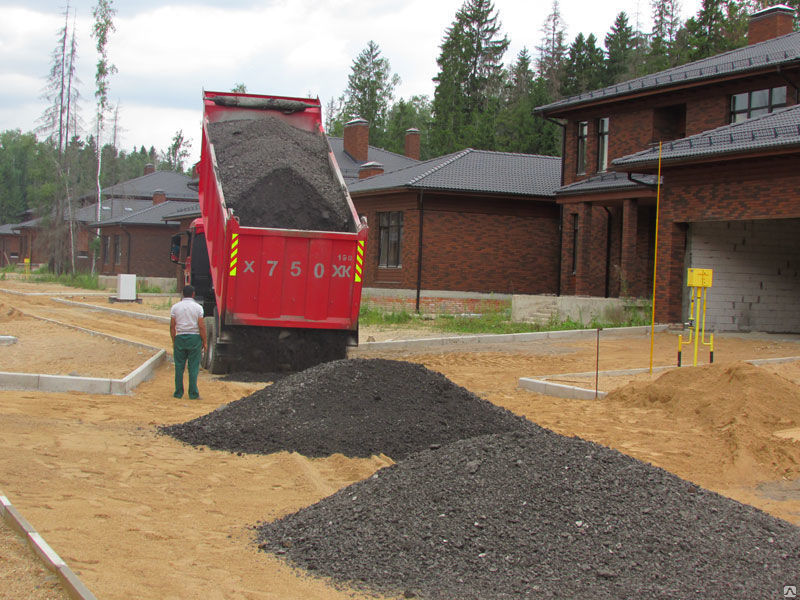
pixel 602 145
pixel 583 134
pixel 117 251
pixel 390 236
pixel 754 104
pixel 574 242
pixel 106 248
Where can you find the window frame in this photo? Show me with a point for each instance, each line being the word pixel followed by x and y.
pixel 582 132
pixel 117 249
pixel 749 108
pixel 575 224
pixel 603 125
pixel 390 239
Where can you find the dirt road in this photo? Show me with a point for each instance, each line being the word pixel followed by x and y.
pixel 140 515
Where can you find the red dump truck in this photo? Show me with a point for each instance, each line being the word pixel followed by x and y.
pixel 276 257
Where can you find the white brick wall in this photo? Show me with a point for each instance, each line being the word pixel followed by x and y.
pixel 756 282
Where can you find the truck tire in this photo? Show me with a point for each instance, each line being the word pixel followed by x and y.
pixel 212 361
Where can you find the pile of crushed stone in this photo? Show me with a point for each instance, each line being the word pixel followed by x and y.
pixel 276 175
pixel 537 515
pixel 356 407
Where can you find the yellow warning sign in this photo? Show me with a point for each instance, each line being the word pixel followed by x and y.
pixel 699 278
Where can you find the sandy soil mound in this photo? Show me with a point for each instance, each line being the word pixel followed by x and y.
pixel 536 514
pixel 358 407
pixel 742 403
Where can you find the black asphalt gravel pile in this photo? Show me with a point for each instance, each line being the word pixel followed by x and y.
pixel 276 175
pixel 356 407
pixel 538 515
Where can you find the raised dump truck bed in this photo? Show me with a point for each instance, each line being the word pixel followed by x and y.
pixel 276 257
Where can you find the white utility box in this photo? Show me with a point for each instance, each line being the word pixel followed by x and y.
pixel 126 288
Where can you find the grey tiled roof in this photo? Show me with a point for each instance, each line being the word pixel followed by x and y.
pixel 8 229
pixel 152 215
pixel 183 210
pixel 349 167
pixel 777 51
pixel 174 185
pixel 111 208
pixel 780 129
pixel 474 171
pixel 607 182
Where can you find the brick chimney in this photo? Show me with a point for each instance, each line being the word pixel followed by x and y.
pixel 412 143
pixel 159 197
pixel 356 139
pixel 149 169
pixel 770 23
pixel 369 169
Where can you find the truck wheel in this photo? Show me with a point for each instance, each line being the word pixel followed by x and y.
pixel 210 335
pixel 212 361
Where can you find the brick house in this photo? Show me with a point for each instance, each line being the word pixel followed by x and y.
pixel 471 221
pixel 120 200
pixel 722 209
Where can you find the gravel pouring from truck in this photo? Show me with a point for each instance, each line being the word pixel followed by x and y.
pixel 277 255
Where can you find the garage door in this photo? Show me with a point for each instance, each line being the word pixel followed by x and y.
pixel 756 285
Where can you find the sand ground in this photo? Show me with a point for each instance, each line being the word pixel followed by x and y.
pixel 139 515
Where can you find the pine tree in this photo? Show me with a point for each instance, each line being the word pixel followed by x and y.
pixel 584 68
pixel 552 51
pixel 620 47
pixel 173 158
pixel 469 79
pixel 516 130
pixel 416 113
pixel 370 90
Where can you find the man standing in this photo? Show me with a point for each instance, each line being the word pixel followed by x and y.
pixel 188 331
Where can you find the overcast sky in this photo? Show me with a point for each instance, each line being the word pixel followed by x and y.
pixel 167 52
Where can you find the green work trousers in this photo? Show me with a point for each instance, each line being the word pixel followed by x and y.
pixel 186 351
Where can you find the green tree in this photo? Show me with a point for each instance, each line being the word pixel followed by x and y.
pixel 239 88
pixel 416 113
pixel 552 51
pixel 174 157
pixel 470 78
pixel 718 27
pixel 103 14
pixel 517 131
pixel 620 51
pixel 584 69
pixel 370 90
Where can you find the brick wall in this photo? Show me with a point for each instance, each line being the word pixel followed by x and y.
pixel 766 188
pixel 147 255
pixel 470 243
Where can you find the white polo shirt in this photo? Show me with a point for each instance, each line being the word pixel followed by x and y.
pixel 186 312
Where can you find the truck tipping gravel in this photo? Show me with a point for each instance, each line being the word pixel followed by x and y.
pixel 276 257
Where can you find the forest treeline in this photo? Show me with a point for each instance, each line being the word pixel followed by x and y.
pixel 481 100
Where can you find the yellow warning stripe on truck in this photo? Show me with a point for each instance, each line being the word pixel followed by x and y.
pixel 234 253
pixel 359 260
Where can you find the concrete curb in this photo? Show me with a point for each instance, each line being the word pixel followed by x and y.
pixel 86 385
pixel 117 311
pixel 72 585
pixel 505 338
pixel 542 385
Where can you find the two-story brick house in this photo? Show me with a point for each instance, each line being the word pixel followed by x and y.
pixel 609 176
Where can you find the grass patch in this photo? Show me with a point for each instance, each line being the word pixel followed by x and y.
pixel 493 322
pixel 84 281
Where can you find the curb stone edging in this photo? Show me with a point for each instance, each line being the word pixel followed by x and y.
pixel 88 385
pixel 69 581
pixel 542 385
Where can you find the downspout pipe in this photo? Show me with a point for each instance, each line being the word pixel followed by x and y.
pixel 563 125
pixel 130 246
pixel 421 207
